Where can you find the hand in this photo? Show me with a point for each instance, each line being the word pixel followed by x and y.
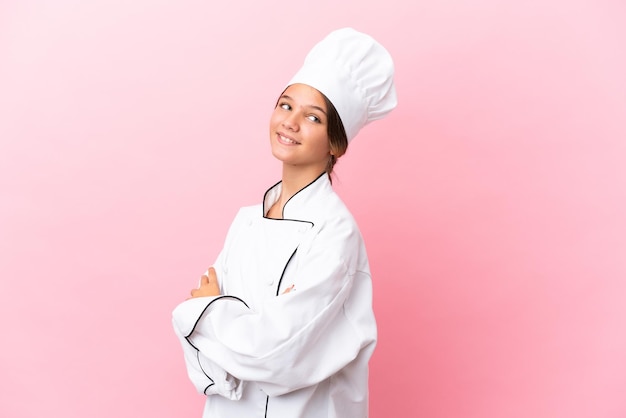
pixel 208 285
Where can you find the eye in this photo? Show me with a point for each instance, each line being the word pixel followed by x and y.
pixel 285 106
pixel 314 118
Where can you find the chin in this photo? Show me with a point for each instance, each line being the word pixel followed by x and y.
pixel 281 155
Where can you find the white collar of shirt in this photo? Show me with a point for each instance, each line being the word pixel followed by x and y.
pixel 303 205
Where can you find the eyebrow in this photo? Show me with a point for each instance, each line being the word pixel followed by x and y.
pixel 284 96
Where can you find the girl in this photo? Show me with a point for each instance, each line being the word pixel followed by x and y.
pixel 282 325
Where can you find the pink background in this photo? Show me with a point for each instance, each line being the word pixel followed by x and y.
pixel 492 200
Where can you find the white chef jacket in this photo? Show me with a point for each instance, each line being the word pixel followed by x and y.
pixel 258 352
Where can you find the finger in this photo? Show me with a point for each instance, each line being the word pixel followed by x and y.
pixel 212 275
pixel 192 292
pixel 204 279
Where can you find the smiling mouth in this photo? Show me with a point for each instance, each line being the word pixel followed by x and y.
pixel 286 140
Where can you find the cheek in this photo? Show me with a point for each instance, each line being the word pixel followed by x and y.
pixel 323 143
pixel 272 121
pixel 325 139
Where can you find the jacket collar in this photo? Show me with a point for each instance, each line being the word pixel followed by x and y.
pixel 302 205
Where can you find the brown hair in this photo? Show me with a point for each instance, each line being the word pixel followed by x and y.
pixel 336 136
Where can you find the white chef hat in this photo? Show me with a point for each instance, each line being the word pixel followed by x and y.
pixel 355 73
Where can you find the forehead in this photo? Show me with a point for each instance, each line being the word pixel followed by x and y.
pixel 305 95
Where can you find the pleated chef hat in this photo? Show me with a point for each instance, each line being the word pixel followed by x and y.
pixel 355 73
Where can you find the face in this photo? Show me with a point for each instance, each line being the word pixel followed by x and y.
pixel 298 128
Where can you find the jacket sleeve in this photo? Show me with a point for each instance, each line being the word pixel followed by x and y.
pixel 206 376
pixel 296 339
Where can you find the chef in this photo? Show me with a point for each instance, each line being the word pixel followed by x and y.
pixel 281 325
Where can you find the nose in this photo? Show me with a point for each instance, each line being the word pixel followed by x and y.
pixel 291 122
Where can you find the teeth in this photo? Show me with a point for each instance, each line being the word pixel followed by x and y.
pixel 284 138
